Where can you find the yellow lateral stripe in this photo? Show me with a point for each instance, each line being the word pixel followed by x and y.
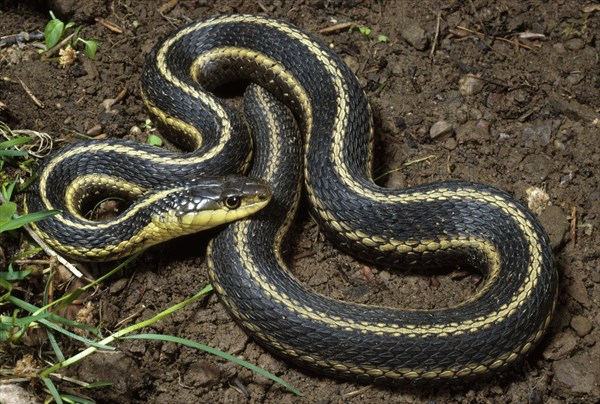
pixel 394 329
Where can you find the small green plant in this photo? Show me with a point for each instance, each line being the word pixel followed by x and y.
pixel 154 140
pixel 366 31
pixel 55 31
pixel 9 154
pixel 8 209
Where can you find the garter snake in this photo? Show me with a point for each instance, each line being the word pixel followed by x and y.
pixel 422 226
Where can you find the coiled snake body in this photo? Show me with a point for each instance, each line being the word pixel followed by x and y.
pixel 422 226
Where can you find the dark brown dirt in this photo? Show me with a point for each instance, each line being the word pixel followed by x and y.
pixel 532 120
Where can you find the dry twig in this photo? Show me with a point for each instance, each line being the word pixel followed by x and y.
pixel 337 27
pixel 35 100
pixel 111 26
pixel 56 48
pixel 20 38
pixel 168 6
pixel 437 34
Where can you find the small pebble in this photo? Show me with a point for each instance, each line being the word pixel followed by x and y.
pixel 385 276
pixel 135 131
pixel 352 62
pixel 461 116
pixel 577 290
pixel 582 325
pixel 576 373
pixel 470 85
pixel 396 180
pixel 555 221
pixel 414 35
pixel 574 44
pixel 15 394
pixel 94 130
pixel 520 95
pixel 559 48
pixel 560 347
pixel 575 78
pixel 537 199
pixel 440 129
pixel 118 286
pixel 541 132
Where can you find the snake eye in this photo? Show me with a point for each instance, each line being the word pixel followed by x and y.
pixel 233 202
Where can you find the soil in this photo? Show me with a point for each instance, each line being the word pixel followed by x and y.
pixel 506 94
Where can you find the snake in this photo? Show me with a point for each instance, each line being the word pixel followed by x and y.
pixel 313 134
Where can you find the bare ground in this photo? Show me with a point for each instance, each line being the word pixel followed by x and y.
pixel 517 110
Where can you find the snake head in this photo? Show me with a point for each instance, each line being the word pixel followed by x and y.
pixel 208 202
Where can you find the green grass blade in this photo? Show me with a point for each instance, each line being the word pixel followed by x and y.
pixel 15 142
pixel 40 315
pixel 23 220
pixel 14 276
pixel 95 385
pixel 217 352
pixel 9 190
pixel 12 153
pixel 74 336
pixel 53 390
pixel 54 345
pixel 119 334
pixel 6 286
pixel 76 399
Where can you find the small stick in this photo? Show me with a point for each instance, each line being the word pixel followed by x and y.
pixel 591 8
pixel 482 35
pixel 35 100
pixel 262 7
pixel 573 225
pixel 168 6
pixel 22 37
pixel 337 27
pixel 437 34
pixel 130 317
pixel 111 26
pixel 56 48
pixel 122 94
